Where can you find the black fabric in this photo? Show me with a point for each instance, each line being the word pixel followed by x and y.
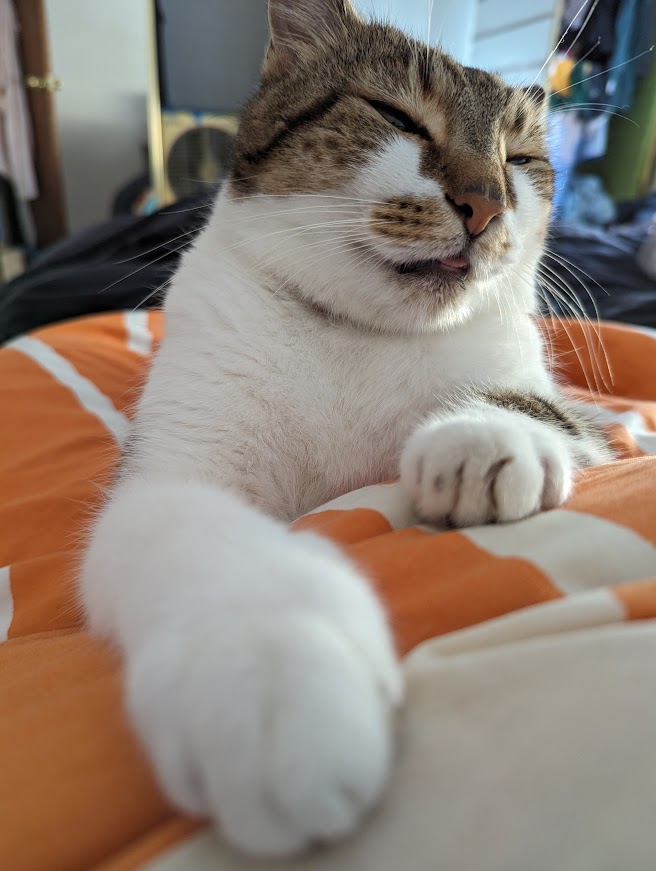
pixel 122 264
pixel 603 261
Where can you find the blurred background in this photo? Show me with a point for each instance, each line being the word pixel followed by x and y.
pixel 110 110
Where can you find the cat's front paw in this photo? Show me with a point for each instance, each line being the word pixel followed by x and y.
pixel 495 466
pixel 273 721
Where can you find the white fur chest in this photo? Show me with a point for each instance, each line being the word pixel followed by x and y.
pixel 277 400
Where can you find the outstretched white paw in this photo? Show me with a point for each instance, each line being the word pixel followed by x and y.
pixel 274 721
pixel 487 467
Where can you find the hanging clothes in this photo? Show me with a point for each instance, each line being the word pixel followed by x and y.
pixel 593 29
pixel 634 36
pixel 16 144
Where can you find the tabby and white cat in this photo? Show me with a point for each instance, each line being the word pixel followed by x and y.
pixel 360 302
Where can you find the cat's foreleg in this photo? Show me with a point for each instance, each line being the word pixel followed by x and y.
pixel 260 673
pixel 499 455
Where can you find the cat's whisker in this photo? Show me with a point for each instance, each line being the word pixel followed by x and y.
pixel 560 42
pixel 571 303
pixel 335 245
pixel 350 236
pixel 511 299
pixel 265 216
pixel 142 267
pixel 153 250
pixel 544 267
pixel 292 232
pixel 581 357
pixel 563 109
pixel 591 105
pixel 556 291
pixel 530 280
pixel 563 260
pixel 431 6
pixel 568 266
pixel 191 232
pixel 588 53
pixel 585 23
pixel 351 242
pixel 154 292
pixel 293 196
pixel 208 206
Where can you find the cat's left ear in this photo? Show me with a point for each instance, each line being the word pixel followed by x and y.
pixel 536 94
pixel 297 25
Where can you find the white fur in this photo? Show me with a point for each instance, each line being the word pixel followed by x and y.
pixel 260 672
pixel 485 464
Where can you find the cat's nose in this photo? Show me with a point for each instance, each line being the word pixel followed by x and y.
pixel 478 210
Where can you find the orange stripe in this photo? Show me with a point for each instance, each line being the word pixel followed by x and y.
pixel 622 492
pixel 638 599
pixel 53 456
pixel 44 594
pixel 75 786
pixel 152 845
pixel 646 410
pixel 346 527
pixel 437 583
pixel 98 351
pixel 631 355
pixel 623 443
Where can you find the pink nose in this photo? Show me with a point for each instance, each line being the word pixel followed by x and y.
pixel 478 211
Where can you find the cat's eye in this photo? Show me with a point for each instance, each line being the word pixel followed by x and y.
pixel 399 119
pixel 520 160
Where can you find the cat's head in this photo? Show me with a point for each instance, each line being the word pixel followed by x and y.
pixel 384 182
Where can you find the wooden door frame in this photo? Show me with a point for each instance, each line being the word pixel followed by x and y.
pixel 49 210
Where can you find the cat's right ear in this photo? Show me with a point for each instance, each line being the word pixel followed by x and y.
pixel 299 25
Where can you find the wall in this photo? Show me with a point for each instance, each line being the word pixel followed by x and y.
pixel 514 38
pixel 99 52
pixel 452 22
pixel 213 51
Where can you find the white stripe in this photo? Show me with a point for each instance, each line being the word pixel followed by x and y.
pixel 583 611
pixel 576 551
pixel 140 339
pixel 633 423
pixel 386 499
pixel 204 852
pixel 6 603
pixel 85 391
pixel 646 331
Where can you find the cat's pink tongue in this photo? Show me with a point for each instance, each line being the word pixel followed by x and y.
pixel 455 263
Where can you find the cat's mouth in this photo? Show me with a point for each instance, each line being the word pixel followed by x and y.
pixel 455 267
pixel 443 271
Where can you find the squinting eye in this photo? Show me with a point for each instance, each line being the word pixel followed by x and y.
pixel 398 119
pixel 520 160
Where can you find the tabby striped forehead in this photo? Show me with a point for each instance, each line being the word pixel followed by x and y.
pixel 310 128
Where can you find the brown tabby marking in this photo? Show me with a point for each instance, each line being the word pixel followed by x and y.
pixel 414 219
pixel 535 407
pixel 310 130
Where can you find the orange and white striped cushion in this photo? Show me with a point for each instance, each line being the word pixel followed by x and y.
pixel 520 637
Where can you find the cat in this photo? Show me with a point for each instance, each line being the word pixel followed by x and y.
pixel 359 304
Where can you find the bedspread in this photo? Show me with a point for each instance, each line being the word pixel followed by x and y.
pixel 527 738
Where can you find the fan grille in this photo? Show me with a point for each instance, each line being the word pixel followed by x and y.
pixel 199 157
